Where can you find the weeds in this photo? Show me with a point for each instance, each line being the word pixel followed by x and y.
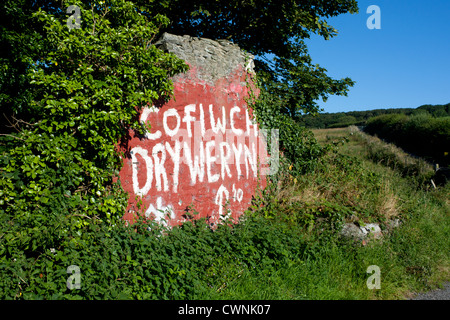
pixel 285 247
pixel 391 156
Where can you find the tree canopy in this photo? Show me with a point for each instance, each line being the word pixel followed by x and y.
pixel 259 26
pixel 69 94
pixel 78 91
pixel 267 27
pixel 262 27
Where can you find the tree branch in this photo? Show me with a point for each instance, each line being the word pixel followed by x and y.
pixel 10 135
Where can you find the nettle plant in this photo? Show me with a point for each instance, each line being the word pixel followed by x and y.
pixel 88 84
pixel 299 149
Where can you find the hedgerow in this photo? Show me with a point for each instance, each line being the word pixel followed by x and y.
pixel 61 202
pixel 421 134
pixel 59 170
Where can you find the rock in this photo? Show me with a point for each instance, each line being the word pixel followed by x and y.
pixel 392 224
pixel 216 87
pixel 372 229
pixel 368 231
pixel 211 59
pixel 363 233
pixel 350 230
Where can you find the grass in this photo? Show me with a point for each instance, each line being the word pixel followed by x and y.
pixel 286 247
pixel 413 257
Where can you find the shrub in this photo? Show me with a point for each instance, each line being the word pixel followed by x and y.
pixel 419 134
pixel 297 144
pixel 59 172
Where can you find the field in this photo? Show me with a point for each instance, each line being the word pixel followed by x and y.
pixel 412 258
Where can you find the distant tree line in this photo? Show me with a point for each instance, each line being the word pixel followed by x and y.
pixel 360 118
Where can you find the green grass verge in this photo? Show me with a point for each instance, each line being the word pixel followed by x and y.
pixel 287 247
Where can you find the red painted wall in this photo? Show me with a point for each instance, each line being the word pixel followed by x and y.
pixel 203 149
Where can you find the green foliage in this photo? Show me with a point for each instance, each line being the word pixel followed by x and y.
pixel 297 144
pixel 59 172
pixel 295 83
pixel 419 134
pixel 360 118
pixel 290 76
pixel 293 253
pixel 20 39
pixel 246 22
pixel 143 261
pixel 436 111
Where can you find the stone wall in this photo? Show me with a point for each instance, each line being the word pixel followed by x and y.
pixel 204 150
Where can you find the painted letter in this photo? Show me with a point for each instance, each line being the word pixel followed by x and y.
pixel 248 159
pixel 187 117
pixel 160 211
pixel 237 156
pixel 175 155
pixel 224 159
pixel 159 166
pixel 143 119
pixel 148 165
pixel 235 131
pixel 220 125
pixel 202 119
pixel 169 113
pixel 250 122
pixel 219 198
pixel 198 167
pixel 209 160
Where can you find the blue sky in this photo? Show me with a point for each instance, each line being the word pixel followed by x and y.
pixel 405 64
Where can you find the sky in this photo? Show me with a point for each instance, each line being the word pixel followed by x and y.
pixel 405 64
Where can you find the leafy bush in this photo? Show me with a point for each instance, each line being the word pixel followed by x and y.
pixel 297 144
pixel 144 261
pixel 59 172
pixel 419 134
pixel 282 247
